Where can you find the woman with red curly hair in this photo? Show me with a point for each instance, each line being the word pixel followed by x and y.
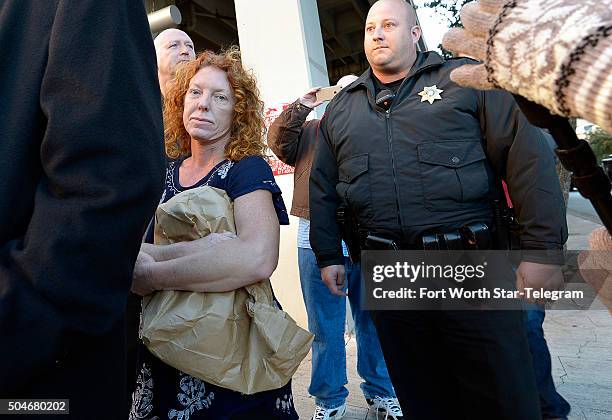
pixel 214 136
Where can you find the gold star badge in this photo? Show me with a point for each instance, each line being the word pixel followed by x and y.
pixel 430 94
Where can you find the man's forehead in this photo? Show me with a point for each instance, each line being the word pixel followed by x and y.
pixel 382 18
pixel 388 10
pixel 177 38
pixel 172 35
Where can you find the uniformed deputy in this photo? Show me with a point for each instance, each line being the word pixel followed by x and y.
pixel 411 153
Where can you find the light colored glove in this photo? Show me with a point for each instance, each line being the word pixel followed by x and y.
pixel 557 53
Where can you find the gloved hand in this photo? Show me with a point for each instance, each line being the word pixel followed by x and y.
pixel 557 53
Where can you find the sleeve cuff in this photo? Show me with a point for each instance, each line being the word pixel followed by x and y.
pixel 326 259
pixel 301 111
pixel 542 252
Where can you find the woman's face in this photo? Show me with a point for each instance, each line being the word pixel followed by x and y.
pixel 209 106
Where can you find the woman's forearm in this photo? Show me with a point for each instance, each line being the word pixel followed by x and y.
pixel 228 265
pixel 183 249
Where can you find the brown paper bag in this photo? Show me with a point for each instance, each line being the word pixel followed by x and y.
pixel 239 340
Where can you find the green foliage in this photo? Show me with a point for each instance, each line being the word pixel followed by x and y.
pixel 601 143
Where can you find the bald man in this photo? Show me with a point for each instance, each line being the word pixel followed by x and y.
pixel 172 46
pixel 418 160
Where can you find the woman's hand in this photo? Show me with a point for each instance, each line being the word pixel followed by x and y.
pixel 155 251
pixel 142 279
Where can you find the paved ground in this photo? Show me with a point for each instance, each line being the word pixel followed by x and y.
pixel 578 206
pixel 580 343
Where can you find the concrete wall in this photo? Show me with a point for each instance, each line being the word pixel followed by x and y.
pixel 282 44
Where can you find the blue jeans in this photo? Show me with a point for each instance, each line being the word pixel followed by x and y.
pixel 326 320
pixel 552 404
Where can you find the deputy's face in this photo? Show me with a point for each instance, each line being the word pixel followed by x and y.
pixel 390 37
pixel 173 47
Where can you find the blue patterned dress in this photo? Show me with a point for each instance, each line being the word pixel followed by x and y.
pixel 163 392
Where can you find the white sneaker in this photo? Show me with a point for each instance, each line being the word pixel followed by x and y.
pixel 329 413
pixel 388 406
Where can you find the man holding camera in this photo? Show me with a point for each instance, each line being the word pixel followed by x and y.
pixel 293 139
pixel 415 157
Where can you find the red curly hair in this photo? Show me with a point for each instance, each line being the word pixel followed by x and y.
pixel 247 128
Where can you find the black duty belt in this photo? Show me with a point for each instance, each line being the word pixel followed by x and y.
pixel 469 237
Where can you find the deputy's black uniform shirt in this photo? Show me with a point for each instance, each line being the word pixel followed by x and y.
pixel 420 166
